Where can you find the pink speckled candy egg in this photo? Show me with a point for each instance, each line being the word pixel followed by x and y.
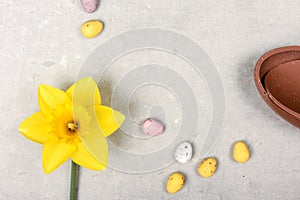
pixel 90 5
pixel 153 127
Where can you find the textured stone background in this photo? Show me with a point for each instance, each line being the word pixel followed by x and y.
pixel 41 43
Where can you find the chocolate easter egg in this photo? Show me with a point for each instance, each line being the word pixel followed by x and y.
pixel 283 84
pixel 284 100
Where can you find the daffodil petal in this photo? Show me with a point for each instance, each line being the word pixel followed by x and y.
pixel 55 152
pixel 83 158
pixel 35 128
pixel 84 92
pixel 94 141
pixel 70 92
pixel 49 97
pixel 109 120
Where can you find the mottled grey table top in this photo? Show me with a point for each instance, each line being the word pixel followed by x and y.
pixel 41 43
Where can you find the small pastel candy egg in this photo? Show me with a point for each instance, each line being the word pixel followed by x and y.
pixel 241 152
pixel 175 182
pixel 91 28
pixel 183 153
pixel 207 167
pixel 89 5
pixel 153 127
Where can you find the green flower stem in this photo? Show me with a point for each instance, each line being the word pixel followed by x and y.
pixel 74 181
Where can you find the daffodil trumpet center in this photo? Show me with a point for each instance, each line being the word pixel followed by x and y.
pixel 72 127
pixel 62 123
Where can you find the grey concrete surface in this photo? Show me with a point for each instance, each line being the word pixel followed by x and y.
pixel 41 43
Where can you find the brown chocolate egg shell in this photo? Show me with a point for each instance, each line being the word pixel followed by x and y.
pixel 277 79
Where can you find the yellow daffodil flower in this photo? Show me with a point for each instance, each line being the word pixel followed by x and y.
pixel 72 124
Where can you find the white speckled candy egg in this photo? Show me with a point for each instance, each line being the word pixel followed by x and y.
pixel 184 152
pixel 153 127
pixel 90 5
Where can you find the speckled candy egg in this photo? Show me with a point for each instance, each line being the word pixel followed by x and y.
pixel 90 5
pixel 207 167
pixel 153 127
pixel 175 182
pixel 184 152
pixel 241 152
pixel 91 28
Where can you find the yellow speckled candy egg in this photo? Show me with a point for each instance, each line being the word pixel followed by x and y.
pixel 175 182
pixel 207 167
pixel 91 28
pixel 241 152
